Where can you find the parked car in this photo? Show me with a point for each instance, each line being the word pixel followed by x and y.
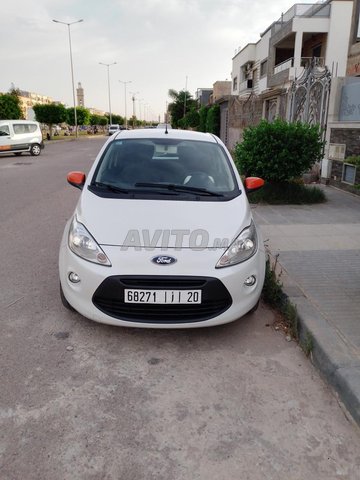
pixel 164 125
pixel 163 235
pixel 19 136
pixel 113 128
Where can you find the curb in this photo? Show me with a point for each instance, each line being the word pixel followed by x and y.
pixel 331 354
pixel 72 139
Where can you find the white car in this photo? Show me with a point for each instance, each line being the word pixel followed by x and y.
pixel 20 136
pixel 162 235
pixel 113 129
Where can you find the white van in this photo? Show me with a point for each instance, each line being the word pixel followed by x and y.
pixel 18 136
pixel 113 128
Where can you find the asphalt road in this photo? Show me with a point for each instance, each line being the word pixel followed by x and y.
pixel 80 400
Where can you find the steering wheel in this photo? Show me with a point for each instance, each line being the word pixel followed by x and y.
pixel 199 179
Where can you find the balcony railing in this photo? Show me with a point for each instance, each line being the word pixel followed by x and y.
pixel 304 62
pixel 246 85
pixel 306 10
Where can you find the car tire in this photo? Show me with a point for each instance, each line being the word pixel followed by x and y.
pixel 35 149
pixel 18 154
pixel 64 301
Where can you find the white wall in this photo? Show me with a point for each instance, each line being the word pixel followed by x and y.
pixel 339 36
pixel 262 53
pixel 245 55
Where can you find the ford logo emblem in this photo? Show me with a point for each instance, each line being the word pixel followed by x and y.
pixel 163 260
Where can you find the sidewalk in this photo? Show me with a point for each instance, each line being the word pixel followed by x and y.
pixel 319 254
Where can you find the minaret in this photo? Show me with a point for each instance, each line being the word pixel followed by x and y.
pixel 80 95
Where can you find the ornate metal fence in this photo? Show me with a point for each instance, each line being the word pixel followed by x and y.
pixel 309 95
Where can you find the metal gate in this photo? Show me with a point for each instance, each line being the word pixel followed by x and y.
pixel 309 95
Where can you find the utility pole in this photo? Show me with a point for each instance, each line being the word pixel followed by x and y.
pixel 108 65
pixel 133 100
pixel 185 95
pixel 72 70
pixel 125 97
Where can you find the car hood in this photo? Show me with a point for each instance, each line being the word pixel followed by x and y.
pixel 163 223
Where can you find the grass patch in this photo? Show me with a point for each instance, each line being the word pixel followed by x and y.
pixel 275 297
pixel 290 193
pixel 272 290
pixel 307 344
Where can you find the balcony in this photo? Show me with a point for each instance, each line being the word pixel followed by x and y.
pixel 246 85
pixel 304 63
pixel 305 10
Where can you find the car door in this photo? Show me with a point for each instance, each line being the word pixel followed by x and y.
pixel 5 137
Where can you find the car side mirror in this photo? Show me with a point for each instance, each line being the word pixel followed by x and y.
pixel 253 183
pixel 76 179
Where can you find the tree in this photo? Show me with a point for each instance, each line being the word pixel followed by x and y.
pixel 182 104
pixel 82 116
pixel 279 151
pixel 213 120
pixel 118 119
pixel 95 119
pixel 191 119
pixel 10 107
pixel 50 114
pixel 203 111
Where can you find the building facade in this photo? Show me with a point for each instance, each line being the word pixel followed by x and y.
pixel 28 100
pixel 343 132
pixel 264 72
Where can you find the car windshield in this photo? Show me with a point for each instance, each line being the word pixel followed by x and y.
pixel 168 167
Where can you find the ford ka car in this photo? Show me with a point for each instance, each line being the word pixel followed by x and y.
pixel 162 235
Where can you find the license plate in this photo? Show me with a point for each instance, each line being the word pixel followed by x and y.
pixel 162 296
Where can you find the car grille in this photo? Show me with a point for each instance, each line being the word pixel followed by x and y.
pixel 110 294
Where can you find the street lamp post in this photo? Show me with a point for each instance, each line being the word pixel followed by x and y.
pixel 108 65
pixel 72 69
pixel 146 109
pixel 140 100
pixel 133 100
pixel 185 95
pixel 125 83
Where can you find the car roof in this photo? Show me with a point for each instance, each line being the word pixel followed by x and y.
pixel 19 121
pixel 161 133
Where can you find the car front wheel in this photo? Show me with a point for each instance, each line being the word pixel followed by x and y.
pixel 64 301
pixel 35 149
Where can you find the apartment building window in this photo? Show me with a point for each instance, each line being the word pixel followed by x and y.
pixel 235 83
pixel 263 68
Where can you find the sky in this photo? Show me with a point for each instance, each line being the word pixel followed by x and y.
pixel 157 45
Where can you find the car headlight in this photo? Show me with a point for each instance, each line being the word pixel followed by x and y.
pixel 84 245
pixel 242 248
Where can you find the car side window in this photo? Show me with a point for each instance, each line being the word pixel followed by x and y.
pixel 31 128
pixel 4 130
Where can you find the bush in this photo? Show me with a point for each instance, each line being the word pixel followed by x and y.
pixel 278 151
pixel 213 120
pixel 291 193
pixel 202 118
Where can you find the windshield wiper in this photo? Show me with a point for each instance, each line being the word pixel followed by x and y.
pixel 180 188
pixel 110 187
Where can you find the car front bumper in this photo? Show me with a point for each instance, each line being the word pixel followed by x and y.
pixel 100 293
